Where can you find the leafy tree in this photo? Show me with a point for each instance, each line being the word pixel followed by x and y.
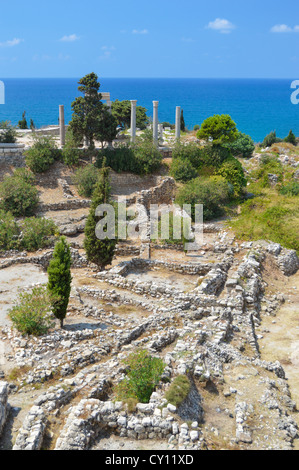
pixel 107 131
pixel 60 279
pixel 32 125
pixel 183 126
pixel 121 110
pixel 31 313
pixel 291 138
pixel 242 146
pixel 23 123
pixel 87 110
pixel 98 251
pixel 219 129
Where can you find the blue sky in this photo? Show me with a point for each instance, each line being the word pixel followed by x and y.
pixel 158 38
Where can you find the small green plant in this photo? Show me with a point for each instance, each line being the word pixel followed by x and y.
pixel 270 139
pixel 18 195
pixel 144 374
pixel 290 189
pixel 178 390
pixel 212 193
pixel 71 152
pixel 182 170
pixel 37 232
pixel 8 133
pixel 31 314
pixel 85 178
pixel 243 146
pixel 23 123
pixel 41 156
pixel 9 232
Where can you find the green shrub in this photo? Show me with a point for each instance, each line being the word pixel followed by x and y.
pixel 190 152
pixel 270 139
pixel 9 232
pixel 290 189
pixel 42 154
pixel 144 374
pixel 8 133
pixel 196 127
pixel 141 158
pixel 268 165
pixel 147 158
pixel 215 155
pixel 85 178
pixel 31 234
pixel 232 171
pixel 212 193
pixel 243 146
pixel 291 138
pixel 31 314
pixel 37 232
pixel 182 170
pixel 25 174
pixel 178 390
pixel 23 123
pixel 18 196
pixel 70 152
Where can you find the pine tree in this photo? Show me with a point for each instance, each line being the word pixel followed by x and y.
pixel 60 279
pixel 98 251
pixel 183 126
pixel 291 138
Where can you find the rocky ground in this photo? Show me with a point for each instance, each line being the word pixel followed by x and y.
pixel 225 315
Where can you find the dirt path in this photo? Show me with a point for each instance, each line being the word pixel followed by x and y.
pixel 282 340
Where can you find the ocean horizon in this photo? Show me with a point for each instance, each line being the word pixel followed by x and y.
pixel 258 106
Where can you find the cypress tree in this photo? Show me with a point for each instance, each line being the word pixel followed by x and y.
pixel 98 251
pixel 60 279
pixel 183 127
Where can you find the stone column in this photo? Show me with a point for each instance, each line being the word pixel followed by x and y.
pixel 155 122
pixel 109 104
pixel 178 123
pixel 133 120
pixel 160 127
pixel 61 125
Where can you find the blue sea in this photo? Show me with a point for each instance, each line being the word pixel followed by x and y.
pixel 257 106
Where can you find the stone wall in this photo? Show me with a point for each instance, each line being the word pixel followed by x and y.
pixel 12 154
pixel 4 407
pixel 92 417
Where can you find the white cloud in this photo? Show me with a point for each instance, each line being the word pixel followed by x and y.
pixel 107 52
pixel 142 31
pixel 221 25
pixel 12 43
pixel 284 28
pixel 70 38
